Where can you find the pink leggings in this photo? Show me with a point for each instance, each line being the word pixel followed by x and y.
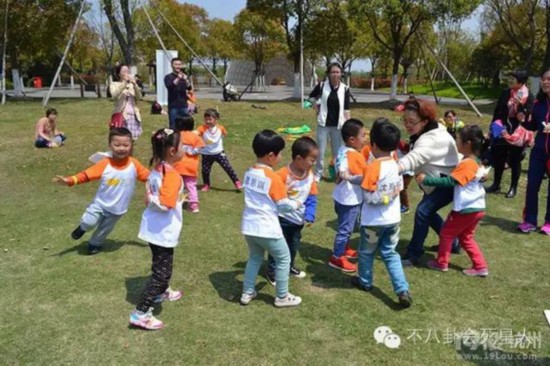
pixel 191 185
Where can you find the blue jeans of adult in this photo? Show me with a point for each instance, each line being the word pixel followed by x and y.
pixel 174 113
pixel 347 219
pixel 278 249
pixel 293 236
pixel 386 239
pixel 426 216
pixel 535 174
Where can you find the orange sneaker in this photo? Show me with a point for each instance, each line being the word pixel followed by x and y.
pixel 350 253
pixel 342 263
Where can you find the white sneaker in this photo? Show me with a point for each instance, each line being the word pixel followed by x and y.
pixel 168 295
pixel 246 298
pixel 289 300
pixel 145 320
pixel 297 273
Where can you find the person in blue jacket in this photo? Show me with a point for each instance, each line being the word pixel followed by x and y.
pixel 539 160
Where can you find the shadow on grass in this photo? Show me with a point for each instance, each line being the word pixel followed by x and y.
pixel 502 223
pixel 134 289
pixel 485 357
pixel 230 289
pixel 109 246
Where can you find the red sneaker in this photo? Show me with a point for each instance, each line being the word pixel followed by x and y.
pixel 350 253
pixel 342 263
pixel 205 188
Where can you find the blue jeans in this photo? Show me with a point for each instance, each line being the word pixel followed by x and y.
pixel 278 249
pixel 174 113
pixel 426 216
pixel 386 239
pixel 347 219
pixel 293 236
pixel 535 174
pixel 58 139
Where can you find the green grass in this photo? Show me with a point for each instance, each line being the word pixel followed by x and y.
pixel 449 90
pixel 60 306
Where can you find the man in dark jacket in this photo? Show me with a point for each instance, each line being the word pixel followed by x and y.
pixel 176 83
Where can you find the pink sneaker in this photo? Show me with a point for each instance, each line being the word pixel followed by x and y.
pixel 193 207
pixel 545 229
pixel 527 228
pixel 238 185
pixel 205 188
pixel 168 295
pixel 436 266
pixel 472 272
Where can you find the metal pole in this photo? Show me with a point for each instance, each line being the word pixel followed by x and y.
pixel 189 47
pixel 73 71
pixel 47 96
pixel 168 56
pixel 452 78
pixel 4 53
pixel 302 62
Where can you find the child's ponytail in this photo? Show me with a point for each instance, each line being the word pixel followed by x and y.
pixel 161 141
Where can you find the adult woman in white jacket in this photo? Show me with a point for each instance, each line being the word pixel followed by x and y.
pixel 333 99
pixel 126 93
pixel 434 153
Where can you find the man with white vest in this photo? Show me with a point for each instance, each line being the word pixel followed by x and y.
pixel 333 102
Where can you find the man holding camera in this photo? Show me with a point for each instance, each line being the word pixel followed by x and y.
pixel 176 83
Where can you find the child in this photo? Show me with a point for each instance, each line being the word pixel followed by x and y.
pixel 117 176
pixel 300 184
pixel 161 226
pixel 188 166
pixel 452 123
pixel 46 132
pixel 212 134
pixel 380 222
pixel 191 101
pixel 468 203
pixel 347 196
pixel 265 197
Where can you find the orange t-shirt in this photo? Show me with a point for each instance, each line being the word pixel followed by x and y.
pixel 189 164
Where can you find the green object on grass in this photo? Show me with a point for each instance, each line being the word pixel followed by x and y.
pixel 296 130
pixel 307 104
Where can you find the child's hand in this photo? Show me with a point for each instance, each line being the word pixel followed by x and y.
pixel 60 180
pixel 420 178
pixel 345 176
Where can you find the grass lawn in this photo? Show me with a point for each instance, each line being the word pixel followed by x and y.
pixel 449 90
pixel 60 306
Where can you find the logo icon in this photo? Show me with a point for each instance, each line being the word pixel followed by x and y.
pixel 385 335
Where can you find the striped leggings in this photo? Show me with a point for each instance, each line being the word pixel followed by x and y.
pixel 221 158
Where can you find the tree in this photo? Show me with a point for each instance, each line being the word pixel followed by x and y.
pixel 259 39
pixel 394 22
pixel 36 31
pixel 293 16
pixel 85 50
pixel 126 39
pixel 519 21
pixel 219 43
pixel 546 62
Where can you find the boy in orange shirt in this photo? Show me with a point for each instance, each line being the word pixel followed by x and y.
pixel 188 166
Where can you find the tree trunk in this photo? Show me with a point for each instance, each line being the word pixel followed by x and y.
pixel 546 62
pixel 16 78
pixel 394 77
pixel 126 44
pixel 297 92
pixel 225 63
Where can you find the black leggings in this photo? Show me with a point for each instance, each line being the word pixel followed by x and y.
pixel 512 155
pixel 221 158
pixel 163 259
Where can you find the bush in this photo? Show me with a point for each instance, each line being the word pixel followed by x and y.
pixel 364 82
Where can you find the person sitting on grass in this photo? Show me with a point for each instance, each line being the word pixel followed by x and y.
pixel 380 221
pixel 300 184
pixel 468 203
pixel 47 135
pixel 117 176
pixel 265 197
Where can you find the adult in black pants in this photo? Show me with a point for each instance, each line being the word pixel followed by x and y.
pixel 176 82
pixel 513 108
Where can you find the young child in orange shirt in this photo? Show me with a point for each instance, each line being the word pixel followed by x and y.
pixel 117 176
pixel 188 166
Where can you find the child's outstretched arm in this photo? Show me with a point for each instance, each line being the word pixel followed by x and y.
pixel 311 208
pixel 142 172
pixel 287 205
pixel 168 193
pixel 92 173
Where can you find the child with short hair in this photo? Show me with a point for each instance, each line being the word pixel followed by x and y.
pixel 300 184
pixel 117 175
pixel 161 224
pixel 347 195
pixel 452 123
pixel 212 134
pixel 265 197
pixel 380 222
pixel 188 166
pixel 468 203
